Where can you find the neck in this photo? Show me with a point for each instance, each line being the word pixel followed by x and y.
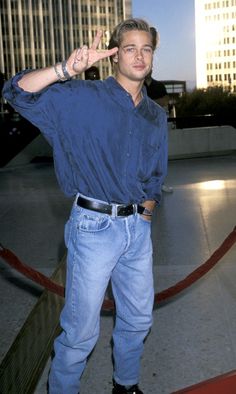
pixel 137 97
pixel 134 88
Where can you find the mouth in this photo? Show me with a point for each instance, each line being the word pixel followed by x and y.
pixel 139 67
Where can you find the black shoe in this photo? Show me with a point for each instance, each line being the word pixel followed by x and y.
pixel 119 389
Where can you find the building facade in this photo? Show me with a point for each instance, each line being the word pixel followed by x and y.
pixel 38 33
pixel 216 43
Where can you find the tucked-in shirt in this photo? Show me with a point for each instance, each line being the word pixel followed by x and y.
pixel 104 146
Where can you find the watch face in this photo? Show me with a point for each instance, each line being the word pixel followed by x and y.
pixel 147 212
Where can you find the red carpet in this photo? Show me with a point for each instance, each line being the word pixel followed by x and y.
pixel 224 384
pixel 108 305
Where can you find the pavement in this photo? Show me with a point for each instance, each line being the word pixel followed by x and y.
pixel 193 337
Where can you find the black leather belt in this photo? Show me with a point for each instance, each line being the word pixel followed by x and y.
pixel 120 210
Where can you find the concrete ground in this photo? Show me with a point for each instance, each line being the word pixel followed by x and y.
pixel 194 334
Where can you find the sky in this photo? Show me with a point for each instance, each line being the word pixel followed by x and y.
pixel 175 22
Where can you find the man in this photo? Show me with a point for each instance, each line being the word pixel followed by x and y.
pixel 110 152
pixel 156 90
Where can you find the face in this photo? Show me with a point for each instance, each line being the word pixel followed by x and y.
pixel 135 56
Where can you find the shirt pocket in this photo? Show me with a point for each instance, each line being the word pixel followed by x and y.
pixel 148 160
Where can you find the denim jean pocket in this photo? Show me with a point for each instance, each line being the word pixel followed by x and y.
pixel 143 219
pixel 67 232
pixel 93 223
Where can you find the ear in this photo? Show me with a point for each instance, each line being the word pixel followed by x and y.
pixel 115 58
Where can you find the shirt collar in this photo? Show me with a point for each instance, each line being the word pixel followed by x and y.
pixel 121 95
pixel 146 108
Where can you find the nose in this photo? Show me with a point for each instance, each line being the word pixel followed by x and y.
pixel 139 53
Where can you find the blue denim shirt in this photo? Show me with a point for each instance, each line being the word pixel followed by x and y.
pixel 103 146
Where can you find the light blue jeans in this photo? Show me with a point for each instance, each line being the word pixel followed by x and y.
pixel 100 248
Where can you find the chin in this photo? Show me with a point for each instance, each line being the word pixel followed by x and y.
pixel 140 78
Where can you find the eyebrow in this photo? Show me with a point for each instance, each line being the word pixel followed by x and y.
pixel 134 45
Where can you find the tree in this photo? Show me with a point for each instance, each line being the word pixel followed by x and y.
pixel 210 101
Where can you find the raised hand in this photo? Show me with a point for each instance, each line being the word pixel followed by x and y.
pixel 79 61
pixel 85 57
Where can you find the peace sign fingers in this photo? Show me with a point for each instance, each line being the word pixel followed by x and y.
pixel 97 40
pixel 85 57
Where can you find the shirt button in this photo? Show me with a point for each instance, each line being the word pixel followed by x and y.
pixel 128 154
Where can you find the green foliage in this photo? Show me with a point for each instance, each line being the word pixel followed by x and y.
pixel 212 101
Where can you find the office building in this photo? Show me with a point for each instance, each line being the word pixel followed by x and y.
pixel 37 33
pixel 216 43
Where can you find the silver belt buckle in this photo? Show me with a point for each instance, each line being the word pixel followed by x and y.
pixel 114 210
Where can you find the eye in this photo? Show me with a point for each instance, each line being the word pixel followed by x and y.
pixel 130 49
pixel 147 50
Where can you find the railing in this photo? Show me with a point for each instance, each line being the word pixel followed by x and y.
pixel 203 121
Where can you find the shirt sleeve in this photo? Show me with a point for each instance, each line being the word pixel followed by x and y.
pixel 153 186
pixel 37 107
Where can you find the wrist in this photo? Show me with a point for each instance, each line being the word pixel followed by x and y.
pixel 64 69
pixel 61 71
pixel 149 206
pixel 147 212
